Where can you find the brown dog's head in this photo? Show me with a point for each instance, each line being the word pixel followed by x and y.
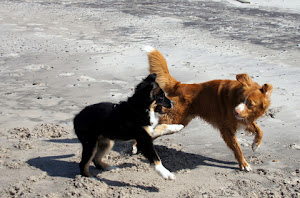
pixel 254 100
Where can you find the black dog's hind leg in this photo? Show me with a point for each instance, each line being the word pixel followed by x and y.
pixel 88 153
pixel 104 145
pixel 145 145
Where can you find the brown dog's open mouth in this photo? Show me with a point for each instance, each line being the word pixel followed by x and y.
pixel 159 109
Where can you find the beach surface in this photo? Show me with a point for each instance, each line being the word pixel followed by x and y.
pixel 56 57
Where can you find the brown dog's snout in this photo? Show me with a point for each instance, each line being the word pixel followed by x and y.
pixel 239 111
pixel 240 108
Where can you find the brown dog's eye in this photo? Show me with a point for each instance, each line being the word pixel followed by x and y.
pixel 250 104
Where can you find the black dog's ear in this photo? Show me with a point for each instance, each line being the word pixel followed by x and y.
pixel 148 83
pixel 151 77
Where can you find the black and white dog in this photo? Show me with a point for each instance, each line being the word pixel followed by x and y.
pixel 98 125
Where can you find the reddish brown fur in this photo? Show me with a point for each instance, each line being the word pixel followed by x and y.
pixel 216 102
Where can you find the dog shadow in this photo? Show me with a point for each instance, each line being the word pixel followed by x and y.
pixel 124 184
pixel 55 166
pixel 174 160
pixel 64 141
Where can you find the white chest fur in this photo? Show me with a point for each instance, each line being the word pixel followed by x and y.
pixel 154 118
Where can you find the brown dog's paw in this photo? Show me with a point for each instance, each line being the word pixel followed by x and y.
pixel 246 168
pixel 255 146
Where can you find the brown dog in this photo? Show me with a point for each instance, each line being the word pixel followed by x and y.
pixel 226 104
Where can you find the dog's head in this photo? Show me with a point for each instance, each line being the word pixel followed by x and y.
pixel 254 99
pixel 160 99
pixel 153 93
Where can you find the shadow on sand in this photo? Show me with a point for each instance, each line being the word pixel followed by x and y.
pixel 174 160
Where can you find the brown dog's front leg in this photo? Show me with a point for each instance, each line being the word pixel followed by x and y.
pixel 165 129
pixel 253 128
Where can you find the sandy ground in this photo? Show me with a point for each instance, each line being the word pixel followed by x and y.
pixel 58 56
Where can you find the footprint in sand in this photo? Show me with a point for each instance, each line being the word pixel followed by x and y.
pixel 86 79
pixel 294 146
pixel 39 67
pixel 272 112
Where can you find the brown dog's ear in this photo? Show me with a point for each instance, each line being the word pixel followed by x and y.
pixel 267 90
pixel 244 79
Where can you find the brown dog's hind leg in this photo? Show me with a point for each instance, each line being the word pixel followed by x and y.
pixel 231 141
pixel 104 145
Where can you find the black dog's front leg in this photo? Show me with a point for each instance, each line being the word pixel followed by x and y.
pixel 145 145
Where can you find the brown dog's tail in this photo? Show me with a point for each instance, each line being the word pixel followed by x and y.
pixel 158 65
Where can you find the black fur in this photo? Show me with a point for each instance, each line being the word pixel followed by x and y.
pixel 97 124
